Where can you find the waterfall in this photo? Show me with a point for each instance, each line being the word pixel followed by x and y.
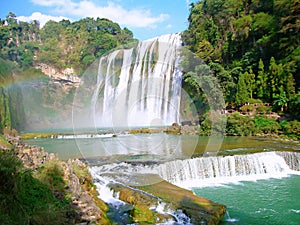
pixel 209 170
pixel 292 159
pixel 140 86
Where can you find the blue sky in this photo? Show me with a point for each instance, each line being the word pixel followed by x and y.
pixel 147 19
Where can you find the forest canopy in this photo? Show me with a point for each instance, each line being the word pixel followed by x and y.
pixel 60 44
pixel 253 47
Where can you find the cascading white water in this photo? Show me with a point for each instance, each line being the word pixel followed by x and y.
pixel 292 159
pixel 208 171
pixel 140 86
pixel 203 171
pixel 199 172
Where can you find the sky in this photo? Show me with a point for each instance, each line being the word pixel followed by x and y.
pixel 146 19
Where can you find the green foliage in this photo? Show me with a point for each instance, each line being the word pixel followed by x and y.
pixel 295 105
pixel 266 126
pixel 281 101
pixel 213 124
pixel 51 174
pixel 238 124
pixel 256 42
pixel 242 94
pixel 291 128
pixel 23 198
pixel 60 44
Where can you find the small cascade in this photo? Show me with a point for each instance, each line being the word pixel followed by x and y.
pixel 292 159
pixel 228 169
pixel 140 86
pixel 211 170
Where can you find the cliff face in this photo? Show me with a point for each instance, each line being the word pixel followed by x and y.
pixel 66 76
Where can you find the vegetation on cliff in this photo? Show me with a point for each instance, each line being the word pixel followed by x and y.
pixel 37 188
pixel 63 44
pixel 59 45
pixel 252 47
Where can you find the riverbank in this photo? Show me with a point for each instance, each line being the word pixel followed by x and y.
pixel 71 184
pixel 46 190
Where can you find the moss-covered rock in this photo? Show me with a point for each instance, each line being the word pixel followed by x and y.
pixel 143 198
pixel 143 204
pixel 174 129
pixel 197 208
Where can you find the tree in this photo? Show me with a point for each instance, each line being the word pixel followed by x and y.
pixel 242 94
pixel 11 19
pixel 281 101
pixel 250 82
pixel 261 81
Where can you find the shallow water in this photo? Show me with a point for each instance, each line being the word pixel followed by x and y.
pixel 156 146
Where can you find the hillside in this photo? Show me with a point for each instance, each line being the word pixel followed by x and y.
pixel 253 49
pixel 61 50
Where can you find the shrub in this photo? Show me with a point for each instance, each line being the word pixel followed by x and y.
pixel 247 108
pixel 208 128
pixel 266 126
pixel 291 128
pixel 238 124
pixel 263 109
pixel 253 101
pixel 51 174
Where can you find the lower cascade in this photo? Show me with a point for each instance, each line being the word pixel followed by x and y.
pixel 230 168
pixel 113 179
pixel 218 169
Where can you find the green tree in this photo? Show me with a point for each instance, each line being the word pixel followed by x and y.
pixel 250 82
pixel 281 101
pixel 242 94
pixel 261 80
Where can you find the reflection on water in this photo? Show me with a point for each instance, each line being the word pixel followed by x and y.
pixel 158 146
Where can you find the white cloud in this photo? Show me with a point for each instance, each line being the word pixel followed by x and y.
pixel 41 18
pixel 169 26
pixel 85 8
pixel 50 2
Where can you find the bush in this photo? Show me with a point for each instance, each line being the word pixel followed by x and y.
pixel 208 128
pixel 247 108
pixel 51 174
pixel 238 124
pixel 253 101
pixel 263 109
pixel 291 128
pixel 266 126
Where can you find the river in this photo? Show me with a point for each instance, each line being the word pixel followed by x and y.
pixel 256 178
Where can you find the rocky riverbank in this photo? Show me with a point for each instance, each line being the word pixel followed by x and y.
pixel 69 181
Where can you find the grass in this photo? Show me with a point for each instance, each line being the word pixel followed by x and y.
pixel 3 143
pixel 24 199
